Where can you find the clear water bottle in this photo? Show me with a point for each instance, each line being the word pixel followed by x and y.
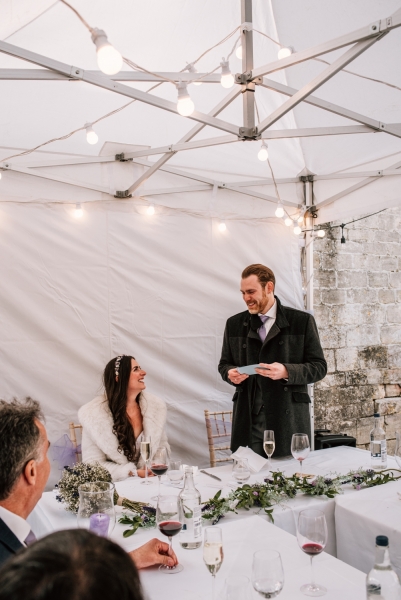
pixel 378 445
pixel 382 581
pixel 189 502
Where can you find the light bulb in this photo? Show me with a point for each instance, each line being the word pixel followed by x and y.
pixel 321 233
pixel 109 59
pixel 300 219
pixel 192 69
pixel 238 52
pixel 297 230
pixel 285 52
pixel 222 226
pixel 0 174
pixel 227 78
pixel 288 221
pixel 279 211
pixel 78 212
pixel 150 210
pixel 263 153
pixel 91 135
pixel 185 106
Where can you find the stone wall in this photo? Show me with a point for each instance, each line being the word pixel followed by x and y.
pixel 357 289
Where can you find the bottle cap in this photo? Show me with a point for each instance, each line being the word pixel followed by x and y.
pixel 376 415
pixel 381 540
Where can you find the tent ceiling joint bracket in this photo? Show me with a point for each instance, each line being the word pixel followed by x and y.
pixel 122 194
pixel 248 134
pixel 76 73
pixel 121 158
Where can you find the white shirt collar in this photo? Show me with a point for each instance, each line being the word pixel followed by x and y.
pixel 272 312
pixel 17 524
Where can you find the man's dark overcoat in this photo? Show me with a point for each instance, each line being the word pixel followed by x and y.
pixel 293 340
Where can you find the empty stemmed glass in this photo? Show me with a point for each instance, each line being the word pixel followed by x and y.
pixel 300 447
pixel 213 551
pixel 169 524
pixel 269 443
pixel 312 539
pixel 267 573
pixel 159 465
pixel 145 455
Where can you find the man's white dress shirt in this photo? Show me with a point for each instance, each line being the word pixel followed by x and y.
pixel 17 524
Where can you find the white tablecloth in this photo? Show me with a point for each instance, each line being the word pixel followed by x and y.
pixel 50 516
pixel 361 517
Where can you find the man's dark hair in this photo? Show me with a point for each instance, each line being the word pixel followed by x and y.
pixel 70 565
pixel 19 440
pixel 264 274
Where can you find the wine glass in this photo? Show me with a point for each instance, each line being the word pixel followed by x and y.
pixel 312 539
pixel 145 455
pixel 159 466
pixel 267 573
pixel 175 473
pixel 268 443
pixel 300 447
pixel 241 470
pixel 213 551
pixel 169 524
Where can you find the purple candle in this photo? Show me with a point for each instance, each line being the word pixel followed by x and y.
pixel 99 524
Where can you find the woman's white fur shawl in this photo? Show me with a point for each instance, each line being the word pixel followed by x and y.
pixel 99 443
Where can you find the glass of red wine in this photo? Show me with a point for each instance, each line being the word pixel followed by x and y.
pixel 169 524
pixel 159 466
pixel 300 447
pixel 312 539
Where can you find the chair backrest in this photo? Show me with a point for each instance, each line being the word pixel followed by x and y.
pixel 218 428
pixel 73 427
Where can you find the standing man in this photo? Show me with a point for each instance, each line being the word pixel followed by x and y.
pixel 284 341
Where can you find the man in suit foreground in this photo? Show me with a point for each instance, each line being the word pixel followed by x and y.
pixel 24 470
pixel 286 343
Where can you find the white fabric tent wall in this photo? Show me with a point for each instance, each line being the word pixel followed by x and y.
pixel 76 293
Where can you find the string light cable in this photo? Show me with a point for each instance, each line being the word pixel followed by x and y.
pixel 343 225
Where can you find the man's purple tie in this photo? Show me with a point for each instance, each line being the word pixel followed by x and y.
pixel 262 328
pixel 30 538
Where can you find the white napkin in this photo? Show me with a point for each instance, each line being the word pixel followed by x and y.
pixel 256 462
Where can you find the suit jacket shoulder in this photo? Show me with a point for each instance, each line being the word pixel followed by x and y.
pixel 9 543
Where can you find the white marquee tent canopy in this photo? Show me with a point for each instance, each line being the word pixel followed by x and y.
pixel 80 292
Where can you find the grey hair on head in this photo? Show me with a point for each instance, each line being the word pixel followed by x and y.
pixel 19 440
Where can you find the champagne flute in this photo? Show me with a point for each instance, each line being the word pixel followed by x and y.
pixel 312 539
pixel 300 447
pixel 267 573
pixel 145 455
pixel 169 524
pixel 213 551
pixel 159 466
pixel 268 443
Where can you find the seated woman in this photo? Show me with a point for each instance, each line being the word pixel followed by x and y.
pixel 115 423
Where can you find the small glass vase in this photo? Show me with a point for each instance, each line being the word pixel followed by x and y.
pixel 96 510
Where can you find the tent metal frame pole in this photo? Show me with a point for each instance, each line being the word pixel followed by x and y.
pixel 248 96
pixel 113 86
pixel 310 87
pixel 372 30
pixel 392 129
pixel 308 183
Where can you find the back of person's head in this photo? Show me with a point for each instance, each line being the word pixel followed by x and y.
pixel 20 440
pixel 264 274
pixel 70 565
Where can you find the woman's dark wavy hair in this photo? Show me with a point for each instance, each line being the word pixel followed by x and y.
pixel 116 394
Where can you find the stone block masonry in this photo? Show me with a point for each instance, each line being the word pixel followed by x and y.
pixel 357 288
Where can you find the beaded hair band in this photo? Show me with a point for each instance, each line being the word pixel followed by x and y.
pixel 117 366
